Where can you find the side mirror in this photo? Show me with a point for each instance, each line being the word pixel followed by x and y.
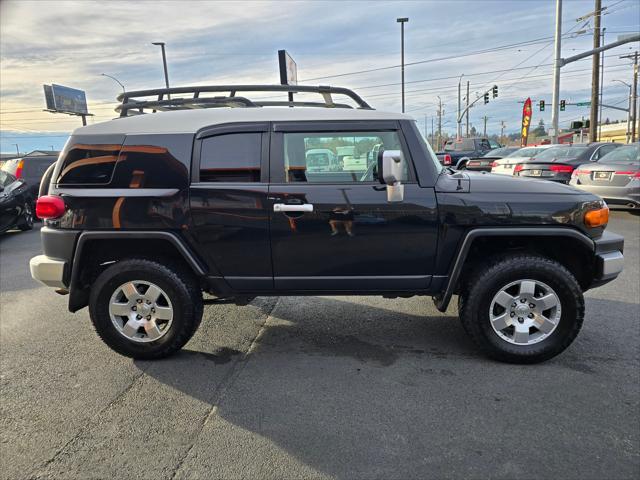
pixel 391 170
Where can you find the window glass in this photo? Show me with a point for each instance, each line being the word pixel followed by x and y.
pixel 335 157
pixel 88 164
pixel 233 157
pixel 561 152
pixel 461 145
pixel 625 154
pixel 6 179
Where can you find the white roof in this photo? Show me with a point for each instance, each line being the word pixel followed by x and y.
pixel 190 121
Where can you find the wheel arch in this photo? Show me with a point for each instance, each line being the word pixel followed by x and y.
pixel 542 240
pixel 91 256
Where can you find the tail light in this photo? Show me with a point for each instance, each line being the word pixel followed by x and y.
pixel 50 206
pixel 561 168
pixel 519 168
pixel 630 173
pixel 493 164
pixel 597 218
pixel 19 168
pixel 580 172
pixel 447 159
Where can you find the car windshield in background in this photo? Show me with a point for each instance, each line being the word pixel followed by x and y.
pixel 526 152
pixel 560 152
pixel 465 145
pixel 500 152
pixel 626 154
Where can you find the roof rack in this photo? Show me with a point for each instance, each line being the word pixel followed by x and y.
pixel 132 104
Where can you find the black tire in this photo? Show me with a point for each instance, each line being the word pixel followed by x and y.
pixel 490 277
pixel 26 222
pixel 179 285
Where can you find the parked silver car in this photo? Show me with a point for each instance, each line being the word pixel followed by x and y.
pixel 615 177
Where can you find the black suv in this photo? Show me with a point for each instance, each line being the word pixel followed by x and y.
pixel 144 213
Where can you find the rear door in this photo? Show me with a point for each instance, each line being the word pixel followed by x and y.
pixel 335 230
pixel 228 193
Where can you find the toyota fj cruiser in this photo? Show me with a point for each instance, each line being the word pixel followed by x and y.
pixel 145 212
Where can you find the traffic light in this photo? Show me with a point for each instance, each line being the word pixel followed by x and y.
pixel 495 91
pixel 562 105
pixel 486 98
pixel 542 105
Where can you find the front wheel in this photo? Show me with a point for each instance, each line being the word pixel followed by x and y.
pixel 26 223
pixel 145 310
pixel 522 309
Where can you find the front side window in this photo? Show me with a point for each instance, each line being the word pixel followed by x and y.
pixel 233 157
pixel 336 157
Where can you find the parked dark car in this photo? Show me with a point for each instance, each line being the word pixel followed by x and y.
pixel 616 177
pixel 485 163
pixel 228 204
pixel 30 169
pixel 558 163
pixel 15 203
pixel 458 151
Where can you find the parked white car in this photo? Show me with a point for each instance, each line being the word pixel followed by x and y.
pixel 506 165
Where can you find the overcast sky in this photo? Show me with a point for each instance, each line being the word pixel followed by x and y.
pixel 71 43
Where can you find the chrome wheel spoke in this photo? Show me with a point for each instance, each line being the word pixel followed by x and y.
pixel 501 322
pixel 120 309
pixel 521 335
pixel 546 302
pixel 130 328
pixel 153 332
pixel 544 324
pixel 152 293
pixel 504 299
pixel 130 291
pixel 164 313
pixel 527 288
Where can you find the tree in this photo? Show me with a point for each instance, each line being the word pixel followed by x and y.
pixel 539 131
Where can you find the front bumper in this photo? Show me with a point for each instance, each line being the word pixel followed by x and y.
pixel 609 258
pixel 48 271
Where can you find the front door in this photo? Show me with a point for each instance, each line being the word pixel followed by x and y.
pixel 332 228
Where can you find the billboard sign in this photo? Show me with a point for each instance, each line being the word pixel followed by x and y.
pixel 288 69
pixel 65 99
pixel 526 121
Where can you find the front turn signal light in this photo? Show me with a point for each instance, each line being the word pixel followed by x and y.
pixel 597 218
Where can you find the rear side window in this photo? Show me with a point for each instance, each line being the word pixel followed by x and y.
pixel 233 157
pixel 88 164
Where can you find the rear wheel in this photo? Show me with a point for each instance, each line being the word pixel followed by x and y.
pixel 522 309
pixel 145 310
pixel 26 223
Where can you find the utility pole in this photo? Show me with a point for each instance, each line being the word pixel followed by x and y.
pixel 467 134
pixel 485 126
pixel 601 84
pixel 555 102
pixel 595 74
pixel 502 125
pixel 634 97
pixel 439 124
pixel 459 117
pixel 431 142
pixel 402 21
pixel 17 148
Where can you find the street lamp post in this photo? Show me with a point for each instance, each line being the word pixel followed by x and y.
pixel 115 79
pixel 402 21
pixel 17 148
pixel 628 134
pixel 164 63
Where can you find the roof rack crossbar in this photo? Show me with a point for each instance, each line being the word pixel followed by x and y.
pixel 129 100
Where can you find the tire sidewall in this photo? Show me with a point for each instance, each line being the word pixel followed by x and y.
pixel 102 292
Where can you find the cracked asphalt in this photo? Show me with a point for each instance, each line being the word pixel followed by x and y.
pixel 318 387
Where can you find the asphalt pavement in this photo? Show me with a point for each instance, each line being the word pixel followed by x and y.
pixel 315 387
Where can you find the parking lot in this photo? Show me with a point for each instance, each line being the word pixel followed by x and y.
pixel 320 387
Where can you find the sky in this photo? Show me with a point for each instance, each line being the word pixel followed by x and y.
pixel 508 43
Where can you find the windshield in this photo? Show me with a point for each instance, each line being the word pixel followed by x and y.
pixel 527 152
pixel 626 154
pixel 463 145
pixel 560 152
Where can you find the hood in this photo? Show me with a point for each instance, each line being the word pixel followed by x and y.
pixel 483 182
